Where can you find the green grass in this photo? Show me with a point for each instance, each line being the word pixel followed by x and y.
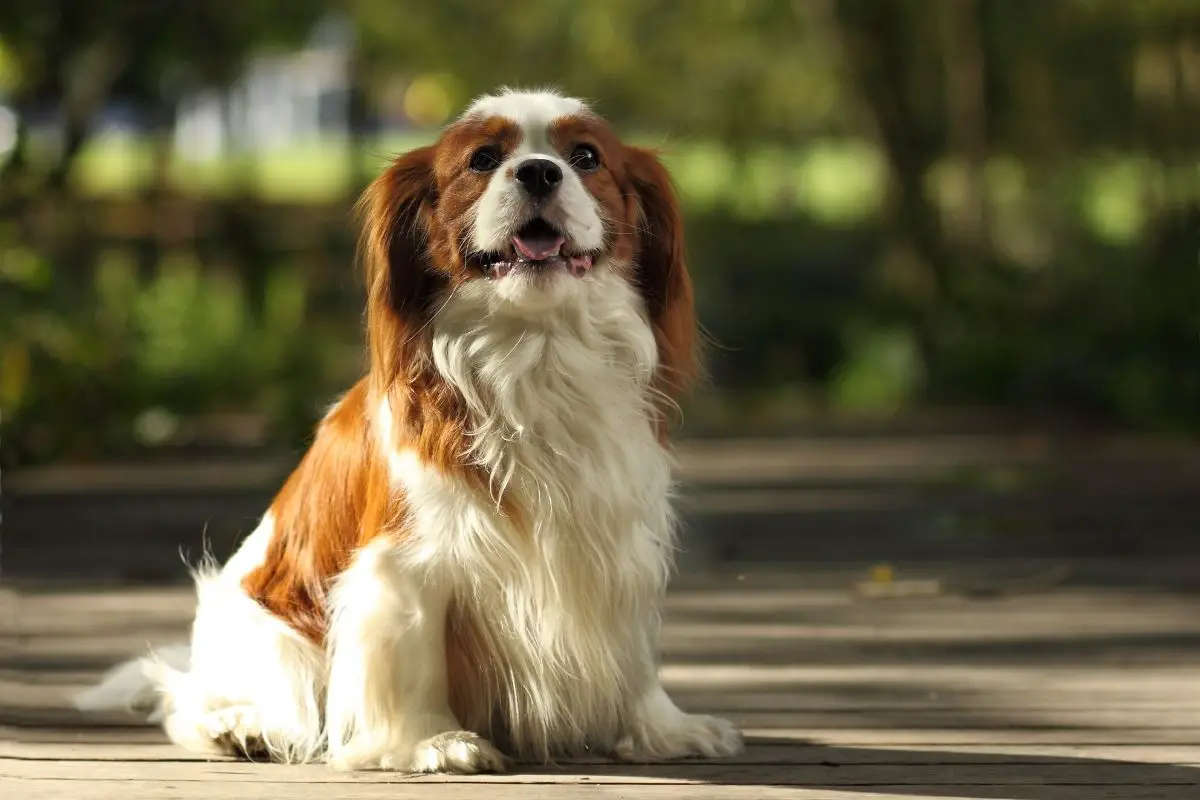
pixel 836 182
pixel 313 172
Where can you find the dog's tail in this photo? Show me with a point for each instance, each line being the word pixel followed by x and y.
pixel 136 685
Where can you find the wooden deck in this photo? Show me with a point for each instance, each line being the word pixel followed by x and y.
pixel 1079 686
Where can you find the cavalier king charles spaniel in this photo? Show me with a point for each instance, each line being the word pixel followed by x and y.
pixel 468 564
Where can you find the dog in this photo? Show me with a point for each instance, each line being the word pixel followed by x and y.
pixel 468 564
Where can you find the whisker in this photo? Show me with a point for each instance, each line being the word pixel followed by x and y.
pixel 434 315
pixel 630 227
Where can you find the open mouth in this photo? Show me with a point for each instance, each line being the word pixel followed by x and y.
pixel 538 245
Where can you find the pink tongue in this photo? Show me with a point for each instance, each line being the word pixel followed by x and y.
pixel 537 248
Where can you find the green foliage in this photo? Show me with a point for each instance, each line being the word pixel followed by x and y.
pixel 744 71
pixel 53 44
pixel 890 201
pixel 169 348
pixel 881 373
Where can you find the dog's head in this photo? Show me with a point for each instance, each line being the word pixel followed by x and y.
pixel 528 196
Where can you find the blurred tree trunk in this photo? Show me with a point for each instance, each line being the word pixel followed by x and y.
pixel 966 121
pixel 14 175
pixel 358 120
pixel 241 230
pixel 872 35
pixel 90 75
pixel 156 193
pixel 87 64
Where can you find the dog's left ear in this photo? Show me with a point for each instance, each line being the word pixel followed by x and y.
pixel 662 272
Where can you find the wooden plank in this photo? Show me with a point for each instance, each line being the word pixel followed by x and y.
pixel 895 738
pixel 1074 694
pixel 134 789
pixel 51 690
pixel 999 772
pixel 1005 737
pixel 137 790
pixel 725 593
pixel 816 720
pixel 899 737
pixel 774 752
pixel 725 460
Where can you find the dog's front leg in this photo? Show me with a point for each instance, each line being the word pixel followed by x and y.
pixel 387 705
pixel 658 730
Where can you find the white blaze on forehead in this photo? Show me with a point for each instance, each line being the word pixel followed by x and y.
pixel 532 111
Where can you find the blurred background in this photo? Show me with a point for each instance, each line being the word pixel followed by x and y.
pixel 940 246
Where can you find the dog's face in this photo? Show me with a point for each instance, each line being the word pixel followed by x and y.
pixel 533 192
pixel 531 187
pixel 527 198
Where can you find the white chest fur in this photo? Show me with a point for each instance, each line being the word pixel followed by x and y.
pixel 565 594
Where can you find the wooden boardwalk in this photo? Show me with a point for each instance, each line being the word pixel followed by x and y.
pixel 1066 688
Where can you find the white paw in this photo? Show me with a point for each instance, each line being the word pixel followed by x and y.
pixel 354 755
pixel 236 730
pixel 460 752
pixel 238 721
pixel 680 735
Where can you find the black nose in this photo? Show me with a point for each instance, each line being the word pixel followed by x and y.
pixel 539 176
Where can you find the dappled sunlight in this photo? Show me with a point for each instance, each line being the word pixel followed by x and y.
pixel 936 489
pixel 1068 723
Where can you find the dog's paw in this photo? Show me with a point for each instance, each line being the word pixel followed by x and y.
pixel 234 730
pixel 679 735
pixel 458 752
pixel 452 752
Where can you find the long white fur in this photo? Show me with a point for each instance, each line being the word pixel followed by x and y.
pixel 247 682
pixel 556 376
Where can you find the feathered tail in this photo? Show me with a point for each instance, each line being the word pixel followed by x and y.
pixel 135 685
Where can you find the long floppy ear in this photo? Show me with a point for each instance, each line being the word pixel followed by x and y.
pixel 403 284
pixel 400 282
pixel 662 272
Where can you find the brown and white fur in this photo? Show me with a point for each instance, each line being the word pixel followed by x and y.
pixel 471 557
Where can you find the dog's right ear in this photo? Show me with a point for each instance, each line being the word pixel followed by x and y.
pixel 394 212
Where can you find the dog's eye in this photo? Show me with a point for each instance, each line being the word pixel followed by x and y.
pixel 485 159
pixel 585 158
